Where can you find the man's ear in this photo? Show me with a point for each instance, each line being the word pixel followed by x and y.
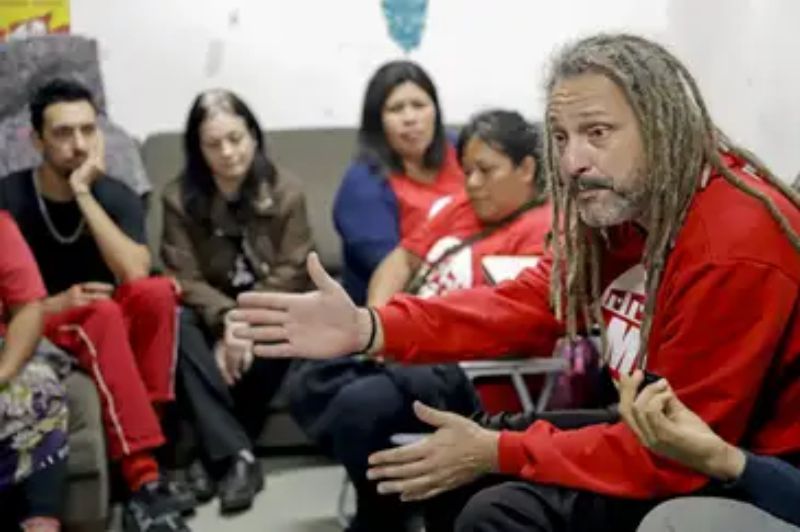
pixel 527 168
pixel 37 141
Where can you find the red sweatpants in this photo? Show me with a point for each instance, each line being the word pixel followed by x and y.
pixel 128 346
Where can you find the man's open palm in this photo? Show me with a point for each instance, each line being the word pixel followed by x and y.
pixel 321 324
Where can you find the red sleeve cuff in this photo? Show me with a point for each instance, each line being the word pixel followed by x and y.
pixel 31 296
pixel 511 452
pixel 393 323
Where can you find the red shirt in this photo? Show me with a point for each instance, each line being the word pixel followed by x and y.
pixel 419 201
pixel 727 306
pixel 20 281
pixel 457 221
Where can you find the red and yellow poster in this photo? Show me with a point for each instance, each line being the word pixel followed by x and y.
pixel 26 18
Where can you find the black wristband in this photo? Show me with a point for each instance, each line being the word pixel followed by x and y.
pixel 373 332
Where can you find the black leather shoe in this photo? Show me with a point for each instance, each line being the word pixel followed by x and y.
pixel 199 481
pixel 240 485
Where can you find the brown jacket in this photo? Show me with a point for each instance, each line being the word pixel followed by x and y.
pixel 277 242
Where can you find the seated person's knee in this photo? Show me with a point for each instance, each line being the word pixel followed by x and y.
pixel 153 290
pixel 107 310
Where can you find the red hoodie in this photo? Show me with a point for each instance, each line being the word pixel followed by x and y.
pixel 418 202
pixel 727 305
pixel 20 281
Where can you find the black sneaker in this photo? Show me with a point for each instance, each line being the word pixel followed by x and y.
pixel 181 494
pixel 151 510
pixel 240 485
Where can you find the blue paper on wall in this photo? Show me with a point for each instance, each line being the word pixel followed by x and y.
pixel 406 21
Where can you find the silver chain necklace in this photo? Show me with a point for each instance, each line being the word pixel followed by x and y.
pixel 61 239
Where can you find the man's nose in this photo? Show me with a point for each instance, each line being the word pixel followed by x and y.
pixel 575 159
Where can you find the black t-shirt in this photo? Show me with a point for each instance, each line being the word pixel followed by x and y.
pixel 62 265
pixel 241 275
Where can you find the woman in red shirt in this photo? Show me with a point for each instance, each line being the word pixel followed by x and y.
pixel 405 171
pixel 351 407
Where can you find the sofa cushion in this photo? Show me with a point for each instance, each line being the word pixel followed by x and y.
pixel 87 453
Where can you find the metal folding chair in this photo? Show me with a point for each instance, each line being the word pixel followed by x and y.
pixel 516 370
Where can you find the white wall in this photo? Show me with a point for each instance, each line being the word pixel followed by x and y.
pixel 745 56
pixel 304 63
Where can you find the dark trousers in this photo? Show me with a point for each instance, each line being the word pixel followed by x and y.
pixel 496 503
pixel 351 408
pixel 40 495
pixel 226 420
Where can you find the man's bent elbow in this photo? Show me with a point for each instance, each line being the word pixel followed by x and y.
pixel 133 270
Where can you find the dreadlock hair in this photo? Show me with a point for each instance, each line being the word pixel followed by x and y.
pixel 681 147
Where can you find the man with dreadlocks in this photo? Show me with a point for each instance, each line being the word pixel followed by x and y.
pixel 680 246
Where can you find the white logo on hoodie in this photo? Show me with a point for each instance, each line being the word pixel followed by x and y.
pixel 623 309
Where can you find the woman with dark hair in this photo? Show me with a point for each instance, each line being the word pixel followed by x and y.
pixel 351 407
pixel 405 171
pixel 232 222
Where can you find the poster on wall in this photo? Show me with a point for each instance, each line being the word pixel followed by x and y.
pixel 27 18
pixel 406 21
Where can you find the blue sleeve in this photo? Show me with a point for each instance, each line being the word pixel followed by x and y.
pixel 366 217
pixel 772 485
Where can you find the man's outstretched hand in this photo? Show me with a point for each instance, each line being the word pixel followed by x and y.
pixel 322 324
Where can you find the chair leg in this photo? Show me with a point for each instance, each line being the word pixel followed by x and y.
pixel 547 392
pixel 522 392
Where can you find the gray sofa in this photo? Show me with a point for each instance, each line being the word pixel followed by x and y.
pixel 86 505
pixel 318 157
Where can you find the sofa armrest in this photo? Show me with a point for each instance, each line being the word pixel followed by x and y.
pixel 87 482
